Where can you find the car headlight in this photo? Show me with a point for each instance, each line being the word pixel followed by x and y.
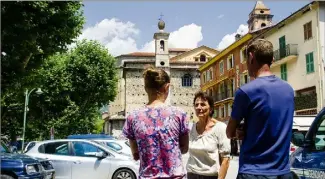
pixel 30 169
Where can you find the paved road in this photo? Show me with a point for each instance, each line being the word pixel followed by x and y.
pixel 232 170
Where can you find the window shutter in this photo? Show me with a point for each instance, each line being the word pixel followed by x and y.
pixel 311 62
pixel 307 63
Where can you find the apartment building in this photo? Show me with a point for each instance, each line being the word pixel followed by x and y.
pixel 298 41
pixel 227 71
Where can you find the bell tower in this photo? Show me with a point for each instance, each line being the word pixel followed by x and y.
pixel 162 51
pixel 161 46
pixel 259 17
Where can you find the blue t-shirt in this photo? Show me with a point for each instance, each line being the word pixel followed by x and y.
pixel 266 105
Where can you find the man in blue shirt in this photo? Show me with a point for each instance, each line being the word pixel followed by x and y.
pixel 266 105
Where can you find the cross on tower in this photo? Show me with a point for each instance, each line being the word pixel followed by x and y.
pixel 161 15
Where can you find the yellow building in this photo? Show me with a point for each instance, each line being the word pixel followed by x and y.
pixel 227 71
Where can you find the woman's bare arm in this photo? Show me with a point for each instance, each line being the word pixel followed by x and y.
pixel 134 149
pixel 183 143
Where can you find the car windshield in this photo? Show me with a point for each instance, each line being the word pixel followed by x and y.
pixel 4 149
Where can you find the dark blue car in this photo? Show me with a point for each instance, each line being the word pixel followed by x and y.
pixel 308 161
pixel 16 166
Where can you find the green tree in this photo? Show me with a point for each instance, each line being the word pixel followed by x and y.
pixel 31 32
pixel 75 86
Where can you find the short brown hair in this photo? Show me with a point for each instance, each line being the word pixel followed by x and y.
pixel 155 78
pixel 263 51
pixel 204 96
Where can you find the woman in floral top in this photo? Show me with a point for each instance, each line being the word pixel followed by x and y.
pixel 158 133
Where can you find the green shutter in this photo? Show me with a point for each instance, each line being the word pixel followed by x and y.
pixel 284 72
pixel 307 63
pixel 282 46
pixel 310 63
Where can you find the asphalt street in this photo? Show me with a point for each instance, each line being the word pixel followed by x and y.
pixel 232 170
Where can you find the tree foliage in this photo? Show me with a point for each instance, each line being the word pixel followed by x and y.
pixel 31 31
pixel 75 85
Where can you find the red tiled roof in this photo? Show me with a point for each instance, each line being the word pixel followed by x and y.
pixel 152 54
pixel 179 49
pixel 139 54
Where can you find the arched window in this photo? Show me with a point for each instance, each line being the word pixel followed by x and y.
pixel 162 45
pixel 263 25
pixel 187 80
pixel 202 58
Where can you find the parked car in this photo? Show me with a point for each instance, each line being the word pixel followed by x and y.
pixel 90 136
pixel 14 166
pixel 85 159
pixel 116 145
pixel 29 146
pixel 308 161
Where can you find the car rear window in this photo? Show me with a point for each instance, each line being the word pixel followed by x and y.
pixel 114 146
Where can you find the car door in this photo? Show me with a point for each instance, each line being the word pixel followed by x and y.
pixel 86 165
pixel 59 154
pixel 314 157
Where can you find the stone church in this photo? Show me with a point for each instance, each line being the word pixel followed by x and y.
pixel 181 64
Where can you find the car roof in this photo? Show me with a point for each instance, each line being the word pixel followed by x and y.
pixel 71 140
pixel 90 136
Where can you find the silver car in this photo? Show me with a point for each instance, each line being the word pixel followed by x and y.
pixel 116 145
pixel 85 159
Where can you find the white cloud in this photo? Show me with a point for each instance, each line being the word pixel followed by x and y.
pixel 221 16
pixel 187 36
pixel 230 38
pixel 119 37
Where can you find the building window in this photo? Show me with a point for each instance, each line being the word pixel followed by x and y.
pixel 242 55
pixel 230 60
pixel 310 63
pixel 162 45
pixel 222 112
pixel 244 78
pixel 211 73
pixel 187 80
pixel 221 67
pixel 284 75
pixel 308 31
pixel 203 78
pixel 202 58
pixel 196 59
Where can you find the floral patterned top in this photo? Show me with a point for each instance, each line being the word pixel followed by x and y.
pixel 157 131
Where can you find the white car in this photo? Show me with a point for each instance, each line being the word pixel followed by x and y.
pixel 84 159
pixel 122 146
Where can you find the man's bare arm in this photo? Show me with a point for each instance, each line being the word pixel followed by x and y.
pixel 134 149
pixel 231 128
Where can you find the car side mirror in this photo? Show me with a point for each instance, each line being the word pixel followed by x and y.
pixel 100 155
pixel 298 139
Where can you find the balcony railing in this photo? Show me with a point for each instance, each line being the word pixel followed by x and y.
pixel 224 95
pixel 290 49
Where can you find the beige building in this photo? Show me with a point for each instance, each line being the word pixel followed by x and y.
pixel 298 42
pixel 181 64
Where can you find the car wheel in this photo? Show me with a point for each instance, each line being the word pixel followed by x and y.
pixel 7 177
pixel 124 174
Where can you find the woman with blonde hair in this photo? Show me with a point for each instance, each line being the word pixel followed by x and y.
pixel 209 147
pixel 158 133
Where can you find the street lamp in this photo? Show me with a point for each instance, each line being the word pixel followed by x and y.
pixel 27 94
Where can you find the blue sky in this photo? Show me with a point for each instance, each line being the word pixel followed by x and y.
pixel 129 26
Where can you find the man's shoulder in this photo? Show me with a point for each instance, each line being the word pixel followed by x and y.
pixel 260 83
